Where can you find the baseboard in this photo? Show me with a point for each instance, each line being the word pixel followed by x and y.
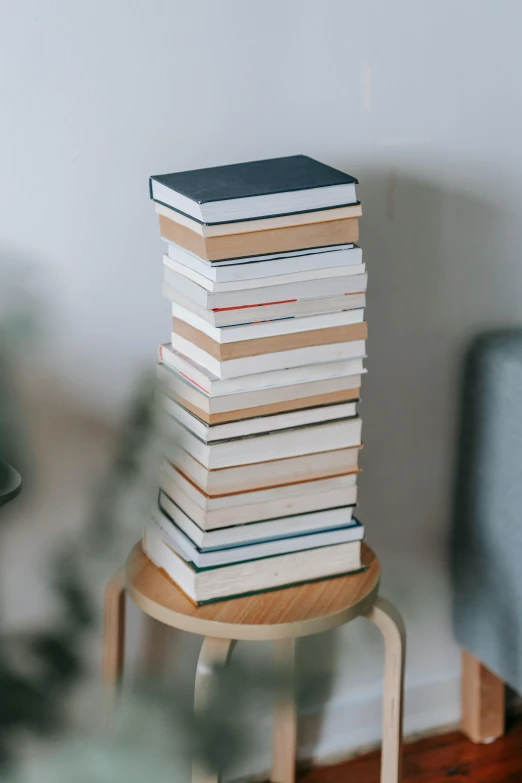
pixel 346 727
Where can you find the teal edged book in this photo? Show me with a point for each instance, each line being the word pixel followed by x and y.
pixel 204 585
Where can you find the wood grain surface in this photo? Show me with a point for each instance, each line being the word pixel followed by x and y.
pixel 280 614
pixel 448 758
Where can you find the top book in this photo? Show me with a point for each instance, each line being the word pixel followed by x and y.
pixel 259 189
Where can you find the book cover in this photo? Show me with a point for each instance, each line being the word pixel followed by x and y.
pixel 256 178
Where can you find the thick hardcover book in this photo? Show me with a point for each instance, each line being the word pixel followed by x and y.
pixel 252 426
pixel 258 189
pixel 330 392
pixel 178 536
pixel 267 362
pixel 202 585
pixel 255 243
pixel 271 386
pixel 262 475
pixel 243 349
pixel 262 224
pixel 219 517
pixel 273 264
pixel 280 293
pixel 295 308
pixel 267 447
pixel 267 328
pixel 287 278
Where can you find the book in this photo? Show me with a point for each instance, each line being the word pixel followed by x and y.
pixel 272 265
pixel 266 447
pixel 253 331
pixel 293 525
pixel 258 224
pixel 298 357
pixel 258 387
pixel 239 552
pixel 254 243
pixel 225 351
pixel 307 289
pixel 218 409
pixel 272 381
pixel 256 189
pixel 245 314
pixel 251 284
pixel 263 475
pixel 211 513
pixel 257 425
pixel 203 585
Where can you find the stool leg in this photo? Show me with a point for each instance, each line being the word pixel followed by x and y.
pixel 285 725
pixel 113 637
pixel 390 623
pixel 156 647
pixel 214 653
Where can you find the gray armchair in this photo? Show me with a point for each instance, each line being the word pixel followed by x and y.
pixel 486 549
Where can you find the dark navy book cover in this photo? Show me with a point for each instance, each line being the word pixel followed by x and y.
pixel 257 178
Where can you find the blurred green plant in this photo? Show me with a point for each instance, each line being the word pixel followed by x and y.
pixel 38 670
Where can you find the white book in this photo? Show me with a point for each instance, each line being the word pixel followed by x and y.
pixel 232 334
pixel 211 513
pixel 281 360
pixel 297 308
pixel 209 382
pixel 261 282
pixel 179 387
pixel 212 584
pixel 239 552
pixel 311 439
pixel 316 521
pixel 256 206
pixel 309 289
pixel 274 264
pixel 259 424
pixel 262 475
pixel 295 525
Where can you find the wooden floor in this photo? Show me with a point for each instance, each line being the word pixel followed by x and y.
pixel 450 758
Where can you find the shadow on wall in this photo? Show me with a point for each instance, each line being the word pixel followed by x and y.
pixel 439 271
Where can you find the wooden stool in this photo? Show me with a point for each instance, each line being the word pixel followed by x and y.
pixel 281 616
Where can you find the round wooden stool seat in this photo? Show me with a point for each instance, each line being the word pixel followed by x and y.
pixel 285 613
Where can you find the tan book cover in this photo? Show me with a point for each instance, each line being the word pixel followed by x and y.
pixel 284 342
pixel 253 243
pixel 346 395
pixel 263 475
pixel 261 224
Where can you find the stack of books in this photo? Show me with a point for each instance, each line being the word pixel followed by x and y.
pixel 260 380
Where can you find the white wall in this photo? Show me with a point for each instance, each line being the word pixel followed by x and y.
pixel 422 101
